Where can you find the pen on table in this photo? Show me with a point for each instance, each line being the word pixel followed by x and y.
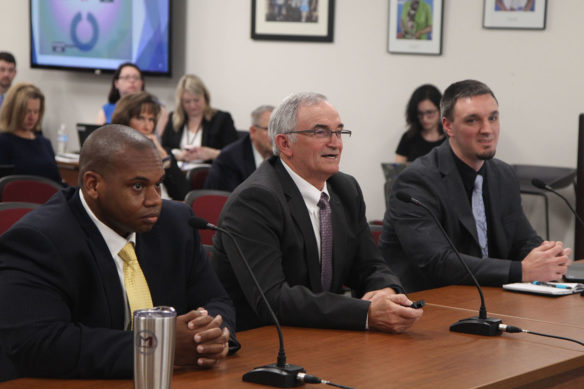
pixel 560 286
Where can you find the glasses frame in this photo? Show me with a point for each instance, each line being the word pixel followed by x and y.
pixel 314 131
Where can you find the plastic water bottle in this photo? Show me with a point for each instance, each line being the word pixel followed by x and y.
pixel 62 139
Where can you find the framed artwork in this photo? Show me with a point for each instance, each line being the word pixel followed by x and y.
pixel 293 20
pixel 415 27
pixel 515 14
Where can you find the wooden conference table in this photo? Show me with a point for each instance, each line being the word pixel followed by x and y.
pixel 426 356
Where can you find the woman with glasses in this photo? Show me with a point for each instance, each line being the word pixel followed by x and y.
pixel 195 131
pixel 424 126
pixel 127 79
pixel 140 111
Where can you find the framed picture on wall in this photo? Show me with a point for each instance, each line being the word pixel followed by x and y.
pixel 515 14
pixel 293 20
pixel 415 27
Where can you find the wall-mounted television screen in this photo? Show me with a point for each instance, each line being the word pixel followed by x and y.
pixel 99 35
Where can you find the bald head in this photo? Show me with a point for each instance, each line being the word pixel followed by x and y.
pixel 102 149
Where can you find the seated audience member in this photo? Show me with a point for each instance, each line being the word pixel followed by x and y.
pixel 476 199
pixel 127 79
pixel 65 297
pixel 21 142
pixel 424 128
pixel 302 246
pixel 241 158
pixel 195 131
pixel 140 111
pixel 7 73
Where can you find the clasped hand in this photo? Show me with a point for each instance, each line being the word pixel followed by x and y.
pixel 390 312
pixel 200 340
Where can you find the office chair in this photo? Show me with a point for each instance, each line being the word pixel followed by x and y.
pixel 207 204
pixel 11 212
pixel 197 177
pixel 25 188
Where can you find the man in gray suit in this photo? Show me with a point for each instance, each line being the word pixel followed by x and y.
pixel 487 225
pixel 301 225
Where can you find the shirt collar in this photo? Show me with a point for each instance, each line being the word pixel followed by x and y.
pixel 309 193
pixel 114 241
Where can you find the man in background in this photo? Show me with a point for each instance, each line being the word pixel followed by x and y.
pixel 238 160
pixel 476 200
pixel 73 271
pixel 7 73
pixel 301 225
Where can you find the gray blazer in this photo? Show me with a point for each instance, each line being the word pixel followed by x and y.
pixel 416 250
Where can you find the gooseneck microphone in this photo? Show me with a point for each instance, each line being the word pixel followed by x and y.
pixel 476 325
pixel 279 374
pixel 539 184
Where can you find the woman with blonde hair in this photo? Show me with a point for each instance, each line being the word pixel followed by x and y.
pixel 195 130
pixel 21 142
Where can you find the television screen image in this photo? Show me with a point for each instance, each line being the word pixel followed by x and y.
pixel 99 35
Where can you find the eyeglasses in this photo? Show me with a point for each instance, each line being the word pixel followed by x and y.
pixel 323 133
pixel 260 127
pixel 132 78
pixel 430 113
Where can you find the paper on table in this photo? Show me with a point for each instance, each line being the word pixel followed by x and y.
pixel 528 287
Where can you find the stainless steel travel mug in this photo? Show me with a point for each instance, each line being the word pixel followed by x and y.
pixel 154 347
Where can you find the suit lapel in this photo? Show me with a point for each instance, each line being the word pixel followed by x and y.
pixel 112 288
pixel 299 214
pixel 455 193
pixel 339 236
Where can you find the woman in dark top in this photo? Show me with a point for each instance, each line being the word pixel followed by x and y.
pixel 195 131
pixel 140 111
pixel 424 127
pixel 21 143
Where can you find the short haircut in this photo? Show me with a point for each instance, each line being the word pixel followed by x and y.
pixel 422 93
pixel 15 104
pixel 284 117
pixel 7 57
pixel 192 84
pixel 257 113
pixel 101 150
pixel 114 93
pixel 131 106
pixel 462 89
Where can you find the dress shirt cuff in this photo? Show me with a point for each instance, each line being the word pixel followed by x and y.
pixel 515 272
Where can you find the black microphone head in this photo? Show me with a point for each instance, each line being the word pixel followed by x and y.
pixel 403 196
pixel 539 184
pixel 199 223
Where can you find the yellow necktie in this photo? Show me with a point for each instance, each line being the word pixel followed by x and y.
pixel 134 281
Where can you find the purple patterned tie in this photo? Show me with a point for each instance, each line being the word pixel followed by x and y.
pixel 326 242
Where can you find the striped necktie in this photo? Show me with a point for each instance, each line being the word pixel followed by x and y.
pixel 136 286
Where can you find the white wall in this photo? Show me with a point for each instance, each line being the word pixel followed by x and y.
pixel 535 75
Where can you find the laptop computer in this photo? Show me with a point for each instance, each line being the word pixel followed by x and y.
pixel 84 129
pixel 575 273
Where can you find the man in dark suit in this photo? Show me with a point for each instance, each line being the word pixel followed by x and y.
pixel 237 161
pixel 301 254
pixel 63 295
pixel 489 228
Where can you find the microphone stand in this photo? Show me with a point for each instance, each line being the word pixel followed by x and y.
pixel 476 325
pixel 279 374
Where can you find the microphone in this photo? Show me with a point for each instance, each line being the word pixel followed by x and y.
pixel 539 184
pixel 476 325
pixel 279 374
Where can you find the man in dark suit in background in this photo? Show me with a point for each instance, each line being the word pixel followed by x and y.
pixel 487 225
pixel 237 161
pixel 63 295
pixel 304 250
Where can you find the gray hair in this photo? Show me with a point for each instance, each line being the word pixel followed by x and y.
pixel 257 113
pixel 284 117
pixel 462 89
